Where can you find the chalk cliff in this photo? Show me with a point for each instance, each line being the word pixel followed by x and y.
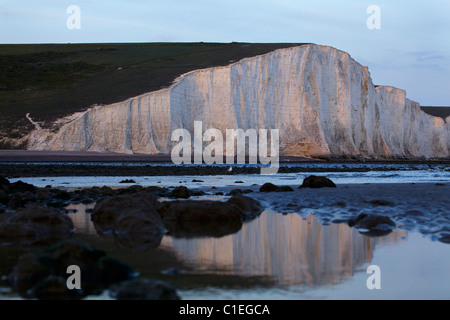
pixel 323 102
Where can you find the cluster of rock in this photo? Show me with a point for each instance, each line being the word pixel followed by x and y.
pixel 138 218
pixel 143 220
pixel 135 216
pixel 43 275
pixel 368 224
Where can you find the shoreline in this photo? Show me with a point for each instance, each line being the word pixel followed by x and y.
pixel 421 206
pixel 30 170
pixel 26 164
pixel 90 156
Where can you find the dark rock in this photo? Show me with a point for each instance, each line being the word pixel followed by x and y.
pixel 134 219
pixel 143 289
pixel 54 288
pixel 130 190
pixel 235 192
pixel 181 193
pixel 285 189
pixel 55 203
pixel 27 273
pixel 109 209
pixel 317 182
pixel 198 210
pixel 132 223
pixel 138 242
pixel 43 194
pixel 196 193
pixel 250 207
pixel 21 199
pixel 87 196
pixel 139 232
pixel 268 187
pixel 128 181
pixel 4 198
pixel 105 191
pixel 191 218
pixel 197 180
pixel 36 223
pixel 107 271
pixel 37 273
pixel 22 194
pixel 61 194
pixel 239 182
pixel 157 191
pixel 338 221
pixel 87 201
pixel 184 193
pixel 153 190
pixel 375 225
pixel 4 183
pixel 20 186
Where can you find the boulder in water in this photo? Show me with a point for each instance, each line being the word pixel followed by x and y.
pixel 317 182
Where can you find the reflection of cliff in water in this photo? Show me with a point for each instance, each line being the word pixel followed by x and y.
pixel 276 249
pixel 289 249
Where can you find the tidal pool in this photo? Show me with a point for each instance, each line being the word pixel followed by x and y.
pixel 287 257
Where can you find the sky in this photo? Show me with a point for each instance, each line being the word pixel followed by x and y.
pixel 409 49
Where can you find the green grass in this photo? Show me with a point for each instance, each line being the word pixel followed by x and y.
pixel 54 80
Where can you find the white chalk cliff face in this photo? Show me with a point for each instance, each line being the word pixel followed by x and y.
pixel 323 102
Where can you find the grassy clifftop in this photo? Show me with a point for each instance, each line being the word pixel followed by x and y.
pixel 54 80
pixel 442 112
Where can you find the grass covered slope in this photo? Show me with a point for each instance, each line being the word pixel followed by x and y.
pixel 442 112
pixel 50 81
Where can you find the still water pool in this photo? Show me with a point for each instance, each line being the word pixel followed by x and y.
pixel 287 257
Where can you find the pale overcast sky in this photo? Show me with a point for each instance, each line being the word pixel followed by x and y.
pixel 410 51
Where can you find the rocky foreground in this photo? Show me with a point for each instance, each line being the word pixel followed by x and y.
pixel 140 217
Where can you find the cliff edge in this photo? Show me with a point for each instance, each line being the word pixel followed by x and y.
pixel 323 102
